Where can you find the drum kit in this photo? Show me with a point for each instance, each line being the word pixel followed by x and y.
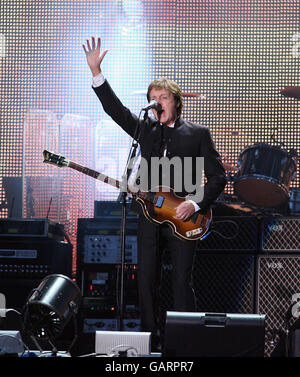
pixel 264 175
pixel 264 172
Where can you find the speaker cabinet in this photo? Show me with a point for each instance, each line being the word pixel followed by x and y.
pixel 223 283
pixel 280 234
pixel 214 335
pixel 24 262
pixel 232 233
pixel 278 279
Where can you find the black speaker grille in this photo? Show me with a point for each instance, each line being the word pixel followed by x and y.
pixel 222 283
pixel 278 280
pixel 232 233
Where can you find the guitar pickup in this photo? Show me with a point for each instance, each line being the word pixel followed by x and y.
pixel 159 201
pixel 195 217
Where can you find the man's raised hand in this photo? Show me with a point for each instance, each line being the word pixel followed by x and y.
pixel 93 56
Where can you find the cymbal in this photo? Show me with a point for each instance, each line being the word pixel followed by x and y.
pixel 291 91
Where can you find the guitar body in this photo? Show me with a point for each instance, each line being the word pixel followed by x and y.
pixel 158 207
pixel 161 208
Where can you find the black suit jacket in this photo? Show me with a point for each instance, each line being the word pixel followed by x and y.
pixel 186 140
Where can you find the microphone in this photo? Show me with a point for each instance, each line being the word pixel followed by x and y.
pixel 153 105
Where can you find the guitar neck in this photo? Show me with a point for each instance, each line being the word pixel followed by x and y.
pixel 94 174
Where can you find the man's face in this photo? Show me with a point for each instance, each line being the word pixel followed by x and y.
pixel 167 101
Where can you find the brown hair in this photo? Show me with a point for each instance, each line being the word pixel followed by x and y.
pixel 172 86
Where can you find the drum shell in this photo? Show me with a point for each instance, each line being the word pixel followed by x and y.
pixel 264 175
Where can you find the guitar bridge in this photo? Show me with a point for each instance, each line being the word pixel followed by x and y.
pixel 193 232
pixel 159 201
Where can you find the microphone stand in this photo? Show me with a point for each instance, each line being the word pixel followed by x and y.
pixel 122 198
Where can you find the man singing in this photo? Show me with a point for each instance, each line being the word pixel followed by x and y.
pixel 169 135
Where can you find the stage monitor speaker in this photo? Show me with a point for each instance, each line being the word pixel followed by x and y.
pixel 214 335
pixel 278 281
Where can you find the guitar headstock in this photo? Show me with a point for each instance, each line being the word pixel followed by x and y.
pixel 55 159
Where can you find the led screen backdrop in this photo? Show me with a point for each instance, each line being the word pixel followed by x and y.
pixel 236 55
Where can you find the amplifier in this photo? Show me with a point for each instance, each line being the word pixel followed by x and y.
pixel 232 233
pixel 280 234
pixel 24 262
pixel 98 241
pixel 108 208
pixel 99 307
pixel 34 258
pixel 101 282
pixel 278 280
pixel 222 282
pixel 90 325
pixel 131 324
pixel 106 249
pixel 23 228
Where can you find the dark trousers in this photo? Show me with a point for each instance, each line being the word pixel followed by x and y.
pixel 152 239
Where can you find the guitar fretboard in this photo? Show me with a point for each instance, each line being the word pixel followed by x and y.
pixel 93 173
